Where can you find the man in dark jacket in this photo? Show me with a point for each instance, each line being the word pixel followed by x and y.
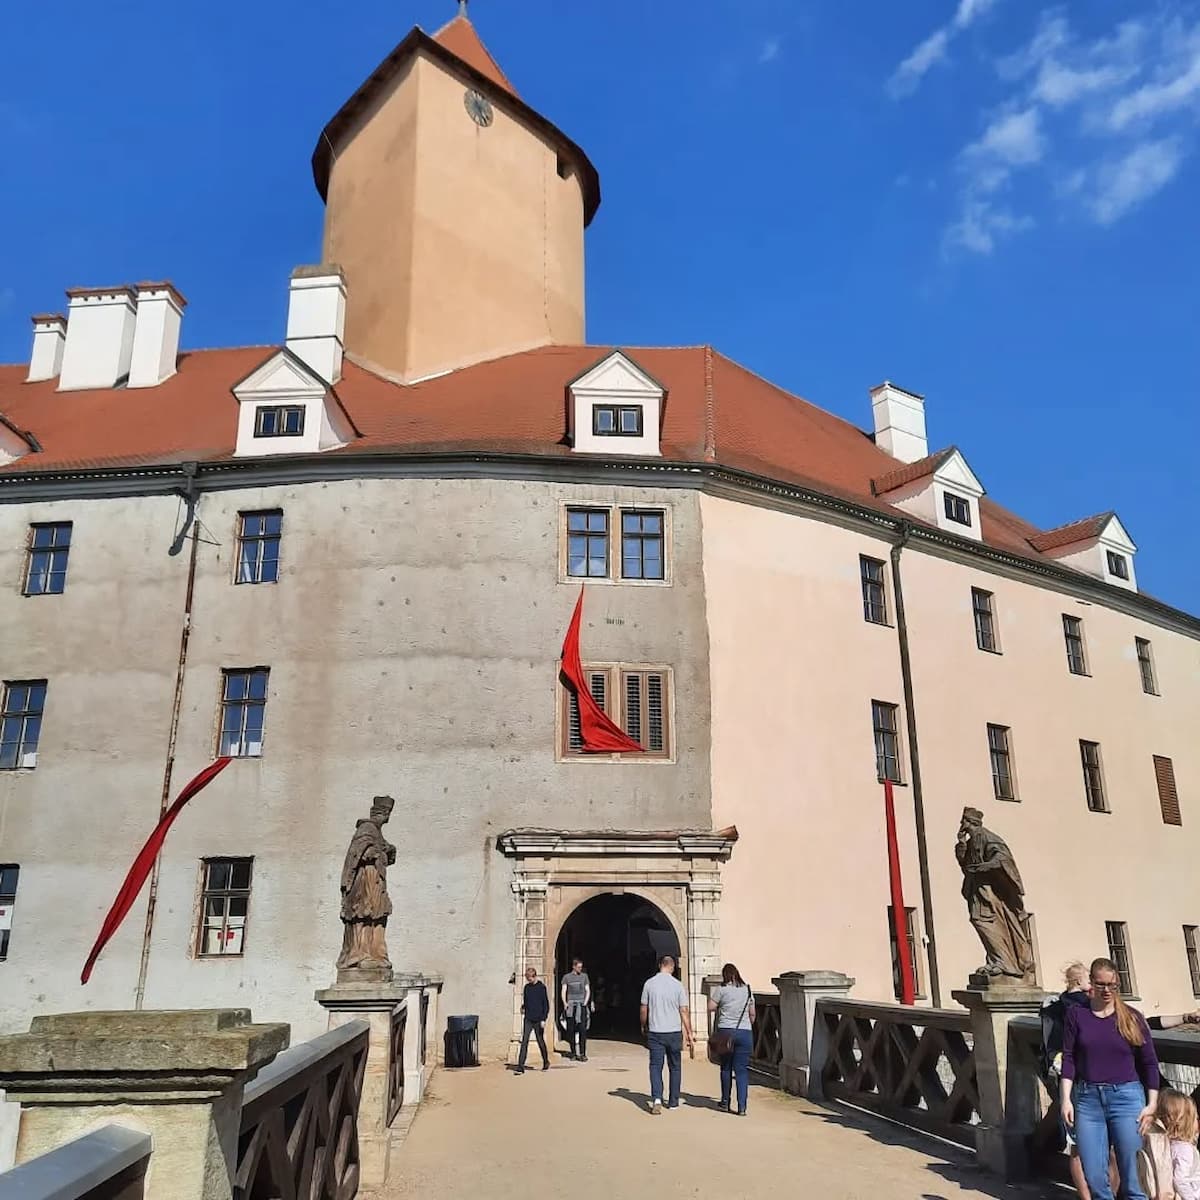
pixel 535 1006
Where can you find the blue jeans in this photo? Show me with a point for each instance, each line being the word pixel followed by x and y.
pixel 1106 1115
pixel 670 1047
pixel 736 1066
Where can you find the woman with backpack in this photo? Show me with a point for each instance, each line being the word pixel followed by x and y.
pixel 732 1005
pixel 1110 1083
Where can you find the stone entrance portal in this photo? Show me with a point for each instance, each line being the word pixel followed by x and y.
pixel 670 881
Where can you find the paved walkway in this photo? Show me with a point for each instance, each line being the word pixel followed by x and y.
pixel 582 1130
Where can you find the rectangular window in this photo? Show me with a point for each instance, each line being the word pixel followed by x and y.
pixel 1168 795
pixel 1000 749
pixel 617 420
pixel 642 544
pixel 21 723
pixel 1117 933
pixel 224 904
pixel 243 706
pixel 258 546
pixel 587 543
pixel 874 590
pixel 1093 776
pixel 279 420
pixel 8 899
pixel 1145 658
pixel 985 620
pixel 1118 565
pixel 637 699
pixel 887 741
pixel 46 559
pixel 1073 635
pixel 1193 957
pixel 958 508
pixel 910 927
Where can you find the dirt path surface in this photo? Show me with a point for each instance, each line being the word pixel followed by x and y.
pixel 582 1130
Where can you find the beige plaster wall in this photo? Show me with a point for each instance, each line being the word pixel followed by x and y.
pixel 460 243
pixel 413 641
pixel 1080 868
pixel 794 669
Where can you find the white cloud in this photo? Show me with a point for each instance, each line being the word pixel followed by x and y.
pixel 769 51
pixel 1015 139
pixel 1125 183
pixel 980 224
pixel 929 52
pixel 1175 86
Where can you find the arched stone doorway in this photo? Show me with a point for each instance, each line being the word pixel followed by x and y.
pixel 620 937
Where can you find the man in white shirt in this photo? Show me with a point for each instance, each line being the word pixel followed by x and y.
pixel 667 1022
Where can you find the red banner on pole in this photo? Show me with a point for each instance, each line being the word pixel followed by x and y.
pixel 599 734
pixel 140 870
pixel 908 991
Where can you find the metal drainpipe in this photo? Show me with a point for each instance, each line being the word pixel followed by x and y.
pixel 914 756
pixel 188 491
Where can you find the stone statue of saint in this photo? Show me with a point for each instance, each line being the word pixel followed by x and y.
pixel 366 905
pixel 994 894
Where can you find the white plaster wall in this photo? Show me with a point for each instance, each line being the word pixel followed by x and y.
pixel 413 640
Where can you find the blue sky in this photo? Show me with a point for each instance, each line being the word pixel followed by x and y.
pixel 992 202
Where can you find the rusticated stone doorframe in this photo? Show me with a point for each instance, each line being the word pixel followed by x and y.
pixel 555 871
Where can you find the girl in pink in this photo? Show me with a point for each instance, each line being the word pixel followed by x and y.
pixel 1177 1115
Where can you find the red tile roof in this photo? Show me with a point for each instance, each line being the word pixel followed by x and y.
pixel 1076 531
pixel 715 411
pixel 912 472
pixel 459 37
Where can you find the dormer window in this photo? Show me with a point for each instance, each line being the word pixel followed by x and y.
pixel 279 420
pixel 612 420
pixel 958 509
pixel 1118 565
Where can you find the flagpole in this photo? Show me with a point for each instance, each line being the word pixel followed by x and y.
pixel 908 993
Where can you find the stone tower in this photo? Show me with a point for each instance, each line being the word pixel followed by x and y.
pixel 456 211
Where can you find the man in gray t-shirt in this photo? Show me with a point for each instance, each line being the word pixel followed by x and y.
pixel 576 997
pixel 667 1023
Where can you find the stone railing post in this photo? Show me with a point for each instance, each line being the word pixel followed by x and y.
pixel 178 1076
pixel 799 992
pixel 1008 1102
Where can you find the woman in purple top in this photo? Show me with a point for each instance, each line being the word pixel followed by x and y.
pixel 1109 1083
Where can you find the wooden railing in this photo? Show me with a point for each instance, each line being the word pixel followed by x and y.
pixel 395 1088
pixel 767 1047
pixel 299 1134
pixel 913 1065
pixel 107 1164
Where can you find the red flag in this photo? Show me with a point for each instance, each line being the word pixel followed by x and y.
pixel 908 989
pixel 598 733
pixel 144 861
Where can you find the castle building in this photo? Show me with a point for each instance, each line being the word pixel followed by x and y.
pixel 349 560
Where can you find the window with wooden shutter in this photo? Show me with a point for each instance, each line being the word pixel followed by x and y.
pixel 1168 796
pixel 636 698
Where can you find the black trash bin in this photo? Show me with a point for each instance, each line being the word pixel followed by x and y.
pixel 462 1042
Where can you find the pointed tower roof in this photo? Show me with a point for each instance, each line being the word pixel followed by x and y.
pixel 459 37
pixel 458 47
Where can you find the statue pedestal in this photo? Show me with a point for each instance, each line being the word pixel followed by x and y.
pixel 1008 1107
pixel 402 1014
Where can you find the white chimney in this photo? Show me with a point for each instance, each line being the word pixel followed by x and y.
pixel 99 337
pixel 49 337
pixel 156 334
pixel 317 318
pixel 899 422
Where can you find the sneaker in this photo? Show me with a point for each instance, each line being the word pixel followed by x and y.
pixel 519 1071
pixel 545 1066
pixel 655 1107
pixel 583 1058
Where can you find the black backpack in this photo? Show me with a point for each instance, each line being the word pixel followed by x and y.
pixel 1054 1015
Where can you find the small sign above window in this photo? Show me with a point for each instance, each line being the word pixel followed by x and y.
pixel 958 509
pixel 1118 565
pixel 617 420
pixel 279 420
